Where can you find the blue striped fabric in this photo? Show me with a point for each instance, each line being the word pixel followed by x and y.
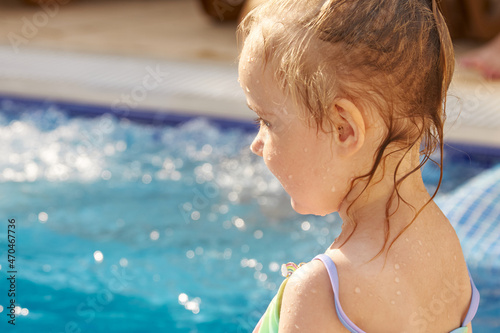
pixel 474 211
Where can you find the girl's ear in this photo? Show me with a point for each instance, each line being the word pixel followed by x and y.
pixel 350 131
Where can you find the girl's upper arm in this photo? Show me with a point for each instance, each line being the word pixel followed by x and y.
pixel 308 303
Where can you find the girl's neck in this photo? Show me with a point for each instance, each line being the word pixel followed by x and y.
pixel 365 212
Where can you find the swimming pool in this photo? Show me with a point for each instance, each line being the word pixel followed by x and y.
pixel 126 227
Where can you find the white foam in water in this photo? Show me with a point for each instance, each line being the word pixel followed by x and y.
pixel 52 147
pixel 70 151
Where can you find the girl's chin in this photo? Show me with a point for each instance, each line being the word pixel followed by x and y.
pixel 305 210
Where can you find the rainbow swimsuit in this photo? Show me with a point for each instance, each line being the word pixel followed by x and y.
pixel 269 322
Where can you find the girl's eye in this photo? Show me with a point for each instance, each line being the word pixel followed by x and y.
pixel 259 121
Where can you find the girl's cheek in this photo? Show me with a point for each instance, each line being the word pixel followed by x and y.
pixel 275 164
pixel 269 153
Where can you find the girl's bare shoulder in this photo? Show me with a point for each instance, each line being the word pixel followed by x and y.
pixel 421 282
pixel 307 304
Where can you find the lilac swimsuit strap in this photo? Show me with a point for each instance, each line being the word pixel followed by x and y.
pixel 334 278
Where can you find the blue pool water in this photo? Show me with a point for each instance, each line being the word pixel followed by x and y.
pixel 122 227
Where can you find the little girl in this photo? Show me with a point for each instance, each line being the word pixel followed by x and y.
pixel 349 96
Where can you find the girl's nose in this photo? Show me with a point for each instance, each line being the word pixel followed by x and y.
pixel 257 145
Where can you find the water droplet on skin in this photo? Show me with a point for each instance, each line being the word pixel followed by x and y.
pixel 248 90
pixel 393 302
pixel 396 266
pixel 398 293
pixel 428 254
pixel 455 258
pixel 406 239
pixel 333 188
pixel 396 279
pixel 357 290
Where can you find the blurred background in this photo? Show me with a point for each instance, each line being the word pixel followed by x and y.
pixel 138 206
pixel 97 51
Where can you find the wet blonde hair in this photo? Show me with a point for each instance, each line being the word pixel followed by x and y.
pixel 392 55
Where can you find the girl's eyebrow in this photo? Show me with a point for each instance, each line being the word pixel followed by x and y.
pixel 252 108
pixel 256 110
